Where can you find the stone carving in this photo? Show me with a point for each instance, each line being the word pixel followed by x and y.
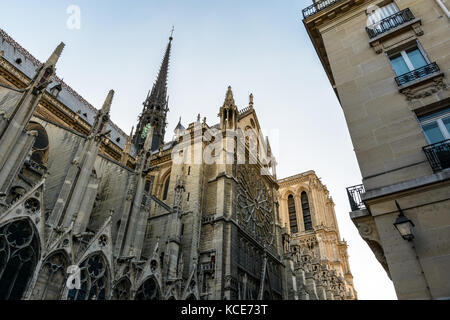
pixel 103 240
pixel 435 86
pixel 255 205
pixel 368 233
pixel 32 205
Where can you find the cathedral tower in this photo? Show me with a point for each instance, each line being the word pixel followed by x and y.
pixel 228 112
pixel 155 108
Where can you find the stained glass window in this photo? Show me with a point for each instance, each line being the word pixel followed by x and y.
pixel 306 211
pixel 292 214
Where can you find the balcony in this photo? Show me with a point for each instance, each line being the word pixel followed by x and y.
pixel 389 23
pixel 354 196
pixel 438 155
pixel 317 6
pixel 207 267
pixel 422 72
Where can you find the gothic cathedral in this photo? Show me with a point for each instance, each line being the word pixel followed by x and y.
pixel 141 217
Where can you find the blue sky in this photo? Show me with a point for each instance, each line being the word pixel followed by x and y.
pixel 256 46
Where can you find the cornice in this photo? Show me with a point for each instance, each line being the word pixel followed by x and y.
pixel 333 11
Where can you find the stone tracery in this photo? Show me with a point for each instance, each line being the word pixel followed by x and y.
pixel 255 203
pixel 94 279
pixel 149 290
pixel 19 253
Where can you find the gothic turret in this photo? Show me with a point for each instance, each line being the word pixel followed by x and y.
pixel 155 108
pixel 228 112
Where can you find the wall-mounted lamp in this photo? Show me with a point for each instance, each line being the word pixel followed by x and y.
pixel 404 225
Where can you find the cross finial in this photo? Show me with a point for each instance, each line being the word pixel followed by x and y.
pixel 171 33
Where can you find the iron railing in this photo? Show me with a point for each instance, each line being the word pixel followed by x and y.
pixel 390 22
pixel 417 74
pixel 207 266
pixel 317 6
pixel 354 196
pixel 438 155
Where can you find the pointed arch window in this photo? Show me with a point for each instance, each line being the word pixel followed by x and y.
pixel 94 280
pixel 122 290
pixel 292 214
pixel 166 188
pixel 149 290
pixel 19 251
pixel 52 277
pixel 306 211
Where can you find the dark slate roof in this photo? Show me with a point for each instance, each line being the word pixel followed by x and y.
pixel 68 96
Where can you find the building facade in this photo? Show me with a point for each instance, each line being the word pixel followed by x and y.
pixel 388 63
pixel 307 215
pixel 88 212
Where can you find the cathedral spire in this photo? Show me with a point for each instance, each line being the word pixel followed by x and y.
pixel 229 100
pixel 53 59
pixel 159 90
pixel 228 112
pixel 155 107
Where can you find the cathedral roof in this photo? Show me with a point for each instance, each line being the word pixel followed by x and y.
pixel 26 63
pixel 297 176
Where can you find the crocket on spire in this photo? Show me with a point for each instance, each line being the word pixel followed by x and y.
pixel 155 107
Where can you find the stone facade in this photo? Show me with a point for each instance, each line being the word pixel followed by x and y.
pixel 138 217
pixel 388 63
pixel 313 242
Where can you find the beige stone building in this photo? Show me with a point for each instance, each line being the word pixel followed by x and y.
pixel 307 214
pixel 388 63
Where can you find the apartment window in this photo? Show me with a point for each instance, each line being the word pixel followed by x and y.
pixel 408 60
pixel 379 14
pixel 388 17
pixel 436 126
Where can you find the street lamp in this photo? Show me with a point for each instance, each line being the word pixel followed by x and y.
pixel 405 228
pixel 404 225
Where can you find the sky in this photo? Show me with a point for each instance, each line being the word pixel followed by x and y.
pixel 255 46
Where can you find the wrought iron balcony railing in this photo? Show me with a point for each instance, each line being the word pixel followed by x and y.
pixel 417 74
pixel 207 266
pixel 317 6
pixel 390 22
pixel 438 155
pixel 354 196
